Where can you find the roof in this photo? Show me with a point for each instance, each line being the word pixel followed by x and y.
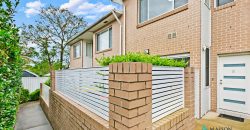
pixel 118 1
pixel 87 34
pixel 27 73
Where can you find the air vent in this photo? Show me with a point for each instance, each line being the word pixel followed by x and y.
pixel 169 36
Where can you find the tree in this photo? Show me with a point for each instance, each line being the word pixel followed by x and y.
pixel 10 64
pixel 53 29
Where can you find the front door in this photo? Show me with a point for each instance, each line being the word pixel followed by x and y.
pixel 88 56
pixel 234 86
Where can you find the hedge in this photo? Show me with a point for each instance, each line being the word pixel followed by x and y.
pixel 10 65
pixel 141 57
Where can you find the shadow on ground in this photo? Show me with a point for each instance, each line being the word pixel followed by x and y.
pixel 211 120
pixel 31 117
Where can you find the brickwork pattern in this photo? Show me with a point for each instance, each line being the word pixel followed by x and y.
pixel 130 96
pixel 66 114
pixel 179 120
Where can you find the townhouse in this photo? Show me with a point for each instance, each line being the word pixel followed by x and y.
pixel 213 35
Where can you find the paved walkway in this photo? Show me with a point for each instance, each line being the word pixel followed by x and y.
pixel 31 117
pixel 211 120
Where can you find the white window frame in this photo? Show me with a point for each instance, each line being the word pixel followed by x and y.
pixel 217 5
pixel 139 10
pixel 74 49
pixel 110 40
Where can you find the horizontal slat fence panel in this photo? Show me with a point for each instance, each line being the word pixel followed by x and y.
pixel 168 91
pixel 89 87
pixel 33 83
pixel 45 93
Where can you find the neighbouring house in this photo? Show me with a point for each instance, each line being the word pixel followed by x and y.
pixel 213 35
pixel 31 81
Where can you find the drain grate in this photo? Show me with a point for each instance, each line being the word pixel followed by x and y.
pixel 231 117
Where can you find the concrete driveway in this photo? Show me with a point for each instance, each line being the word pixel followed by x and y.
pixel 31 117
pixel 211 121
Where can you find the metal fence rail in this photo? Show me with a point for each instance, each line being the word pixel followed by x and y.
pixel 89 87
pixel 45 93
pixel 168 91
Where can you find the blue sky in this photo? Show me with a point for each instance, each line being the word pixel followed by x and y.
pixel 91 10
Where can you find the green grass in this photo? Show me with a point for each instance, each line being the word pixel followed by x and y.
pixel 141 57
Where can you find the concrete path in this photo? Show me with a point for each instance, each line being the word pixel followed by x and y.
pixel 211 121
pixel 31 117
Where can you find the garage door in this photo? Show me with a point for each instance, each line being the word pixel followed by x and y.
pixel 234 86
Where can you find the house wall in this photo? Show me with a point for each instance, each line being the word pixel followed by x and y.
pixel 115 42
pixel 76 62
pixel 230 34
pixel 185 21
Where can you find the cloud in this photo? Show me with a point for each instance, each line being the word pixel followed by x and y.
pixel 89 10
pixel 33 8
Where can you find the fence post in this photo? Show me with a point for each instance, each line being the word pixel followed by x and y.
pixel 52 78
pixel 189 93
pixel 130 96
pixel 41 89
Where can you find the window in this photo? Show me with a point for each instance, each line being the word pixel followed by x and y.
pixel 207 66
pixel 104 40
pixel 222 2
pixel 152 8
pixel 77 50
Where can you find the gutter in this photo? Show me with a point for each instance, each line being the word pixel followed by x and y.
pixel 117 19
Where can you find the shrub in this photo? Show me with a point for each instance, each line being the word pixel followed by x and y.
pixel 34 96
pixel 10 65
pixel 141 57
pixel 24 95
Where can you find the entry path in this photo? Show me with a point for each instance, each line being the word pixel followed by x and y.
pixel 31 117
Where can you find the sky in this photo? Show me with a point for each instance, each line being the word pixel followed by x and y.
pixel 90 10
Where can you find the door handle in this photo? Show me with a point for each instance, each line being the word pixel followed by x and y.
pixel 220 82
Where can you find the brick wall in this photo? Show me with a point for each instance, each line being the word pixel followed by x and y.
pixel 115 42
pixel 76 62
pixel 66 114
pixel 185 21
pixel 230 35
pixel 130 97
pixel 130 103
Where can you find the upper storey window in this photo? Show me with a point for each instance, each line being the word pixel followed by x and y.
pixel 152 8
pixel 104 40
pixel 222 2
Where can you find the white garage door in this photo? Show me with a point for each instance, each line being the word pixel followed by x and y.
pixel 234 86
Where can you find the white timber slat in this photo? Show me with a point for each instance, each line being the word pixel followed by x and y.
pixel 167 90
pixel 45 93
pixel 88 87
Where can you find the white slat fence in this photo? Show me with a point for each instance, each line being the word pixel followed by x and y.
pixel 89 87
pixel 45 93
pixel 168 91
pixel 33 83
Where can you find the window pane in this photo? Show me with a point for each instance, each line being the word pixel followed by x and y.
pixel 207 67
pixel 77 51
pixel 158 7
pixel 103 41
pixel 178 3
pixel 143 10
pixel 222 2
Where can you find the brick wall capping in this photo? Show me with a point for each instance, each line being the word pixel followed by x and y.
pixel 130 68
